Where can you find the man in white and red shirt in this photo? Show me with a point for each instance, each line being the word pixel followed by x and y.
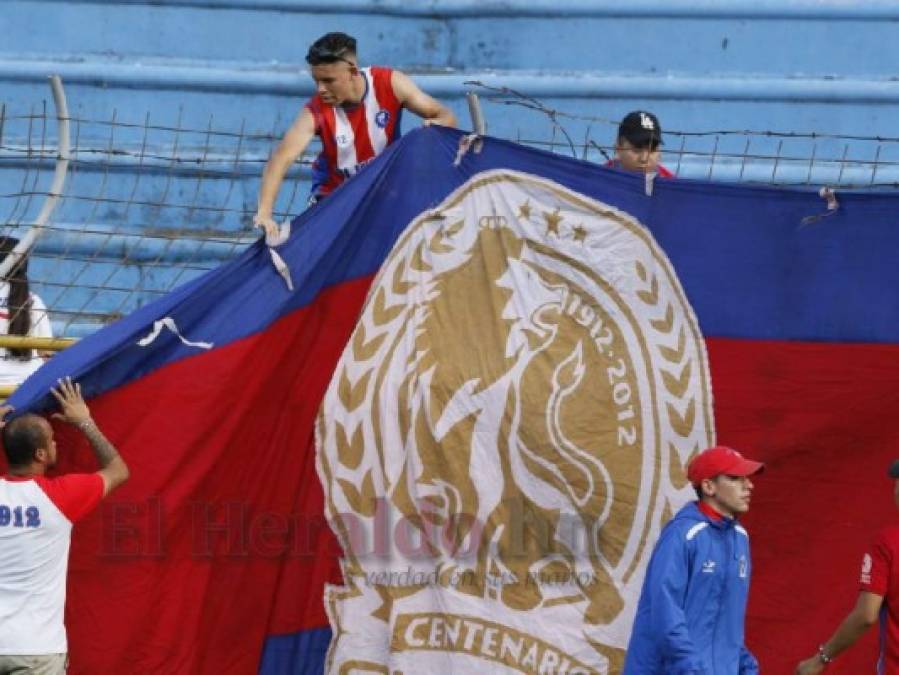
pixel 878 600
pixel 355 113
pixel 36 517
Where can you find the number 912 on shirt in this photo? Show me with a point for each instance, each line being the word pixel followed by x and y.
pixel 19 516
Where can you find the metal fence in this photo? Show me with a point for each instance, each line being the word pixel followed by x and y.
pixel 793 158
pixel 145 207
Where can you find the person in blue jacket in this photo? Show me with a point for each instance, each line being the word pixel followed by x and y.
pixel 692 607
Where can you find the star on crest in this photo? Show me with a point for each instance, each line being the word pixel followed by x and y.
pixel 579 232
pixel 552 221
pixel 524 211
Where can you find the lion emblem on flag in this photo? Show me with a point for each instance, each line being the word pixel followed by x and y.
pixel 505 433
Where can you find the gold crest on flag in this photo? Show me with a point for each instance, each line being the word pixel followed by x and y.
pixel 505 435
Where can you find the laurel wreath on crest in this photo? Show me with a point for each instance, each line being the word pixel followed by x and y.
pixel 365 344
pixel 676 375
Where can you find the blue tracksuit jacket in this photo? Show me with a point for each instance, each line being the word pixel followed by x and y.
pixel 690 617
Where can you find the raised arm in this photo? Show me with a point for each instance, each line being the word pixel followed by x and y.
pixel 295 141
pixel 413 98
pixel 113 469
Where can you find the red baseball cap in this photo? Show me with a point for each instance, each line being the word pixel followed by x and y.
pixel 718 461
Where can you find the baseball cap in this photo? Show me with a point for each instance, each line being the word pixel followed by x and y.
pixel 718 461
pixel 893 471
pixel 640 128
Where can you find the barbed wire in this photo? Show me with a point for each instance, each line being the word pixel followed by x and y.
pixel 520 99
pixel 771 157
pixel 149 205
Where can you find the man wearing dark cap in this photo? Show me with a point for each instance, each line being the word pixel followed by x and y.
pixel 637 147
pixel 878 599
pixel 693 603
pixel 356 114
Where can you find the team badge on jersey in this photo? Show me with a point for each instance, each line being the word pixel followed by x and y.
pixel 382 118
pixel 867 566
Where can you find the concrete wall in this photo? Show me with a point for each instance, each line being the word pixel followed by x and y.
pixel 237 66
pixel 779 64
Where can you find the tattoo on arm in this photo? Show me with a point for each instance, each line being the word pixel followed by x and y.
pixel 103 449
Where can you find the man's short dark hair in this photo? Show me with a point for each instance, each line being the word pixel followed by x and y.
pixel 331 48
pixel 22 437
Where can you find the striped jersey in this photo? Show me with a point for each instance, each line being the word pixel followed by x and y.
pixel 36 517
pixel 354 136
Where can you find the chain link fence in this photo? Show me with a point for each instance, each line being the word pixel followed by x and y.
pixel 147 206
pixel 784 158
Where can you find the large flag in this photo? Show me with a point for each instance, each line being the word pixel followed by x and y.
pixel 450 442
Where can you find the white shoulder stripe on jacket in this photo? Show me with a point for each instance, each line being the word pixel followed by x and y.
pixel 696 529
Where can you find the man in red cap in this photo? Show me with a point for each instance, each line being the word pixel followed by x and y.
pixel 693 603
pixel 878 599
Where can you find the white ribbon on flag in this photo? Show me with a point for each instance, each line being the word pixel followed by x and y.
pixel 169 322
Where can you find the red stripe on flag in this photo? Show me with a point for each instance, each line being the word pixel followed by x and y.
pixel 218 539
pixel 823 417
